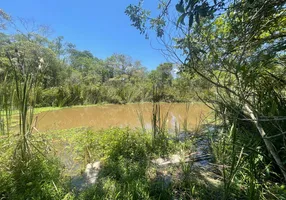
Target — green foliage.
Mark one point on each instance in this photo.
(39, 71)
(4, 18)
(47, 97)
(125, 161)
(115, 142)
(138, 16)
(125, 156)
(72, 77)
(245, 163)
(38, 179)
(238, 49)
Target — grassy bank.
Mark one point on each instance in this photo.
(130, 167)
(125, 156)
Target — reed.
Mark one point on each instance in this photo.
(158, 120)
(185, 122)
(140, 116)
(25, 75)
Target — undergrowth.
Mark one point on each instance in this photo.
(39, 178)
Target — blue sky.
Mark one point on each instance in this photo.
(99, 26)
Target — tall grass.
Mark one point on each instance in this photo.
(140, 116)
(185, 122)
(158, 119)
(244, 166)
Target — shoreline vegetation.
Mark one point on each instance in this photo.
(233, 61)
(118, 163)
(45, 109)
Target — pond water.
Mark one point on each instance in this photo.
(106, 116)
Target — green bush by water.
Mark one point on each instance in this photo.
(40, 178)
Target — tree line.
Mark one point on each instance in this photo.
(69, 76)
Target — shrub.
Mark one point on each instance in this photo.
(125, 158)
(47, 97)
(39, 178)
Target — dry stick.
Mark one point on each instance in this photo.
(266, 141)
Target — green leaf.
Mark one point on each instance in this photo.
(197, 18)
(191, 19)
(29, 184)
(188, 5)
(181, 19)
(180, 7)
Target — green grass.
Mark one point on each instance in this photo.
(127, 170)
(39, 178)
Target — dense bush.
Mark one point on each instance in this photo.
(47, 97)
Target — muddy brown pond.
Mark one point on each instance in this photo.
(106, 116)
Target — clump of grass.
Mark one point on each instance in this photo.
(161, 145)
(39, 178)
(101, 143)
